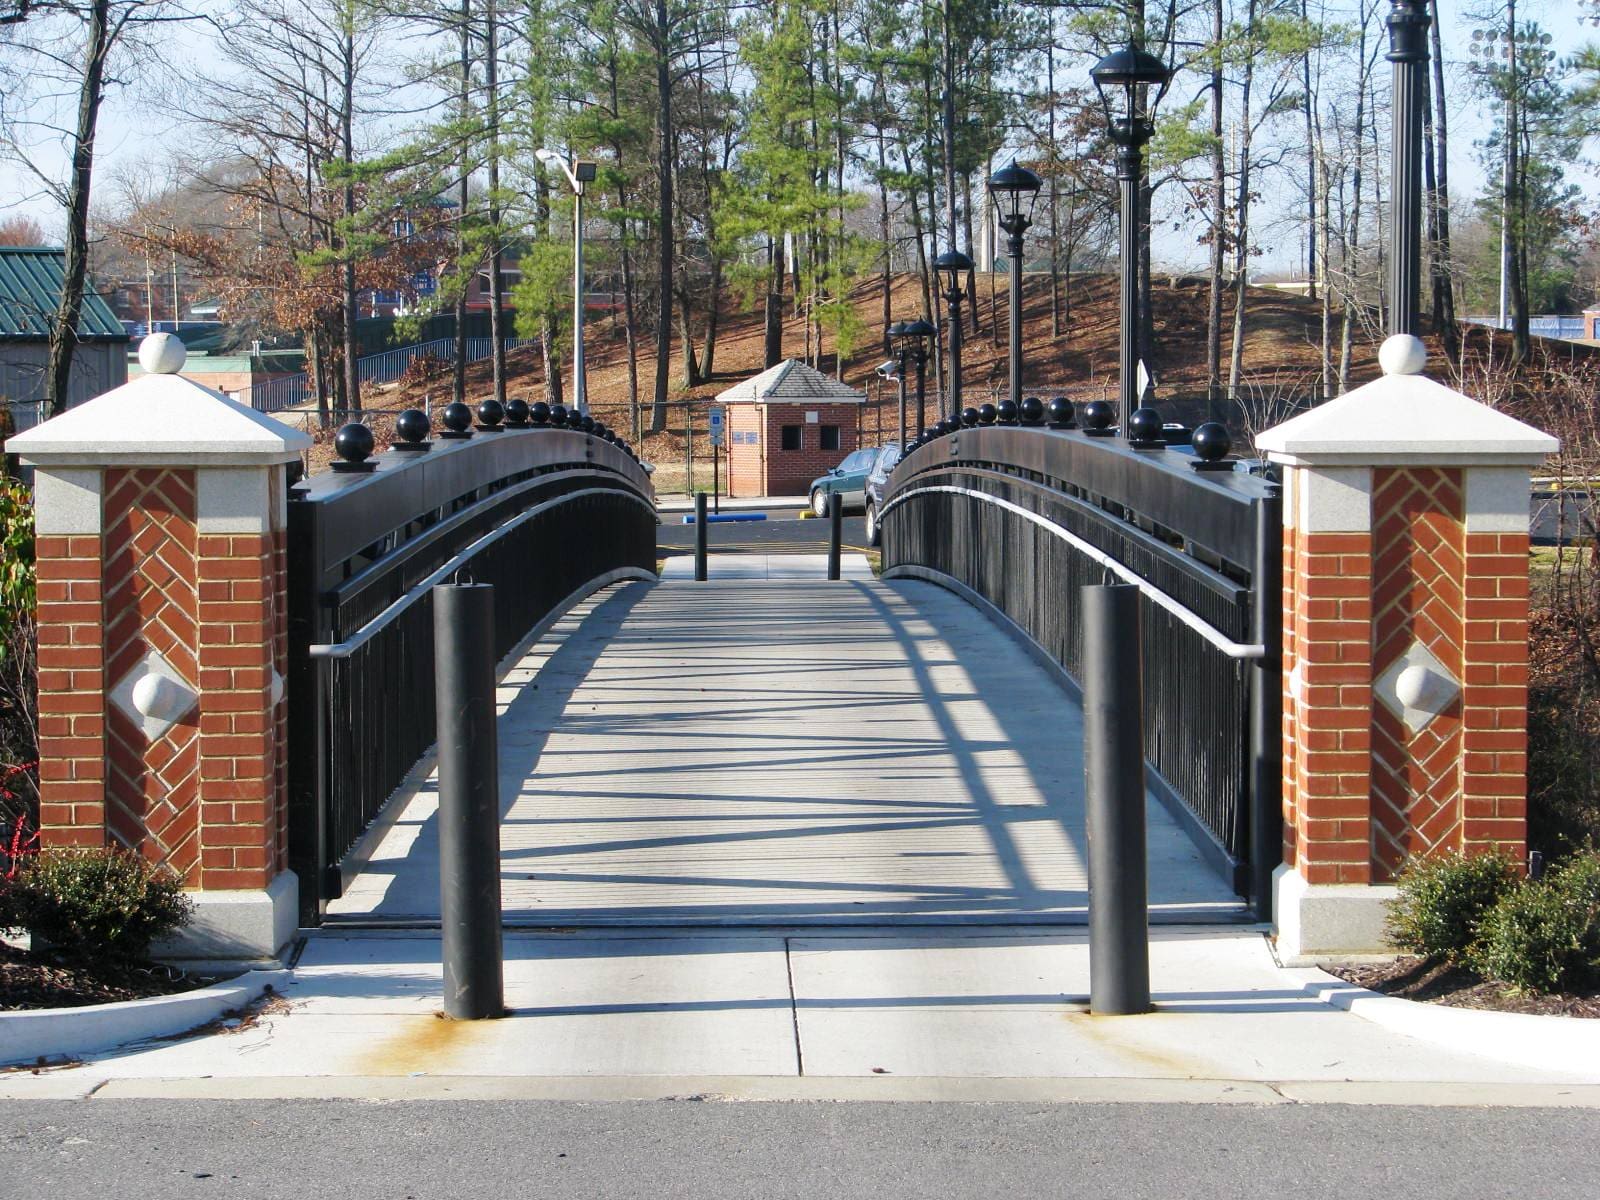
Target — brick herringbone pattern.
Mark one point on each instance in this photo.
(152, 793)
(1418, 576)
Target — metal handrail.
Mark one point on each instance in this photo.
(1233, 649)
(375, 626)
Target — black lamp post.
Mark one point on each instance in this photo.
(954, 266)
(1123, 79)
(1408, 51)
(913, 338)
(1014, 190)
(894, 339)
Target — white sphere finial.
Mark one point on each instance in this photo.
(162, 354)
(1402, 354)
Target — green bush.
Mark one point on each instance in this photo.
(96, 904)
(1443, 898)
(1545, 936)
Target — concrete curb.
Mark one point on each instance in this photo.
(73, 1032)
(1547, 1043)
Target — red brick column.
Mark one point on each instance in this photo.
(163, 643)
(1405, 644)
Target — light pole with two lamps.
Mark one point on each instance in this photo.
(579, 172)
(911, 344)
(1123, 79)
(1011, 187)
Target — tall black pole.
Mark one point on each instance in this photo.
(469, 801)
(1408, 51)
(900, 378)
(1130, 137)
(1015, 225)
(953, 299)
(1113, 770)
(921, 355)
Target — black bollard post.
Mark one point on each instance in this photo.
(700, 537)
(1113, 770)
(469, 801)
(835, 535)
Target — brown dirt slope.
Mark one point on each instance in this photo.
(1281, 353)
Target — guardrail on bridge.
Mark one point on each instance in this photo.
(546, 515)
(1019, 518)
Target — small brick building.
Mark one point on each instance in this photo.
(786, 426)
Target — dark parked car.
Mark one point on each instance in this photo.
(877, 483)
(846, 484)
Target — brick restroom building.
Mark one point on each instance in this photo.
(786, 426)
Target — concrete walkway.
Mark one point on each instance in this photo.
(873, 1014)
(783, 752)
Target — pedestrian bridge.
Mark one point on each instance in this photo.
(780, 751)
(769, 746)
(238, 669)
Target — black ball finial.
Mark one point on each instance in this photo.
(353, 444)
(969, 416)
(539, 413)
(1211, 442)
(412, 427)
(490, 413)
(1060, 413)
(516, 412)
(1008, 412)
(586, 421)
(988, 414)
(558, 415)
(1032, 411)
(1144, 428)
(1097, 418)
(457, 420)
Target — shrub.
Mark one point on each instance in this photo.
(108, 903)
(1442, 899)
(1545, 936)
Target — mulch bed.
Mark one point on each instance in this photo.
(30, 979)
(1454, 985)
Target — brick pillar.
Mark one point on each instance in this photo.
(161, 514)
(1405, 644)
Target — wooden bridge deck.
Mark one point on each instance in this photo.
(776, 752)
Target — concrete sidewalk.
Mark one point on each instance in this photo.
(881, 1014)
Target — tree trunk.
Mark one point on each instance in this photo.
(347, 150)
(658, 415)
(491, 82)
(458, 389)
(1444, 297)
(1241, 249)
(69, 307)
(1219, 224)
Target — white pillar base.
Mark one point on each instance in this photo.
(236, 930)
(1319, 922)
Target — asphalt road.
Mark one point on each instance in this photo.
(458, 1149)
(783, 532)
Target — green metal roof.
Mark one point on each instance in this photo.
(30, 289)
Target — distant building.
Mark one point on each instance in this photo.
(786, 426)
(30, 290)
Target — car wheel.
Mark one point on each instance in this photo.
(872, 524)
(819, 502)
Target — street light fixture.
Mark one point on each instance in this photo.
(912, 341)
(1013, 188)
(578, 172)
(1124, 79)
(954, 266)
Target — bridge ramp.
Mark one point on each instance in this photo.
(783, 752)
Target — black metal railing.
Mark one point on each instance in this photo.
(1020, 518)
(545, 515)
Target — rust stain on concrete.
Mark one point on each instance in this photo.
(423, 1045)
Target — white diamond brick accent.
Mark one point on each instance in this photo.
(1417, 687)
(154, 696)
